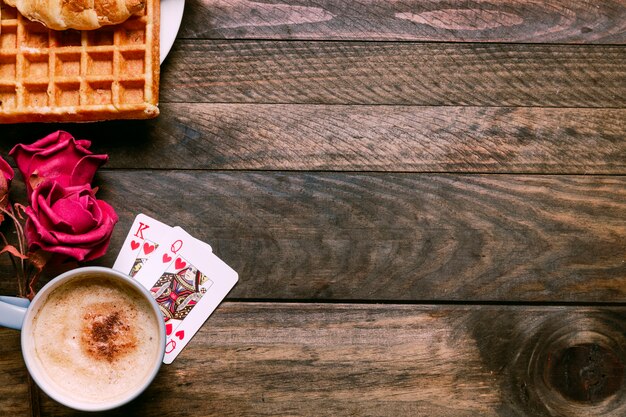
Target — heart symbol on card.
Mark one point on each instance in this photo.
(134, 245)
(180, 264)
(147, 248)
(168, 329)
(180, 334)
(166, 258)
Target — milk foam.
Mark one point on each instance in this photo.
(77, 359)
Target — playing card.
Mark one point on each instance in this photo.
(141, 242)
(188, 282)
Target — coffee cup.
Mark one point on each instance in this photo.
(93, 338)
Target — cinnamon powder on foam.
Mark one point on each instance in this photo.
(106, 334)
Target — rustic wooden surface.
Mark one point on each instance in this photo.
(425, 201)
(273, 359)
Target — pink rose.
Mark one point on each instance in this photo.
(57, 157)
(69, 221)
(6, 175)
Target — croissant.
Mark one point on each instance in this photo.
(77, 14)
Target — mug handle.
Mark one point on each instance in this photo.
(12, 311)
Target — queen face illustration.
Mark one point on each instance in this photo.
(178, 292)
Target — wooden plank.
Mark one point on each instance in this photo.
(8, 282)
(15, 384)
(14, 394)
(391, 360)
(413, 237)
(395, 73)
(358, 138)
(563, 21)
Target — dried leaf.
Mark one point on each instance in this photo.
(39, 259)
(13, 251)
(31, 290)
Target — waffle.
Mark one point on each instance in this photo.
(79, 76)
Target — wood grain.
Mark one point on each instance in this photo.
(14, 391)
(412, 237)
(404, 188)
(358, 138)
(382, 360)
(563, 21)
(395, 73)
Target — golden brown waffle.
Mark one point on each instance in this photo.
(70, 76)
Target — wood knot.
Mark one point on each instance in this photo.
(570, 363)
(586, 372)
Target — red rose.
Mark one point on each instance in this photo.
(58, 157)
(6, 175)
(69, 221)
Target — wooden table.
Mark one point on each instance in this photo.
(425, 201)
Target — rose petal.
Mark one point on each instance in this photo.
(69, 221)
(35, 231)
(86, 168)
(73, 213)
(57, 157)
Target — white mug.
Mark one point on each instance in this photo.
(18, 313)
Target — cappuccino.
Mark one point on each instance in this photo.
(95, 339)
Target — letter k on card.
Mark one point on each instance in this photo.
(144, 237)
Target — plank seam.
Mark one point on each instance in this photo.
(459, 303)
(404, 41)
(450, 173)
(469, 106)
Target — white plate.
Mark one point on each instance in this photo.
(171, 16)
